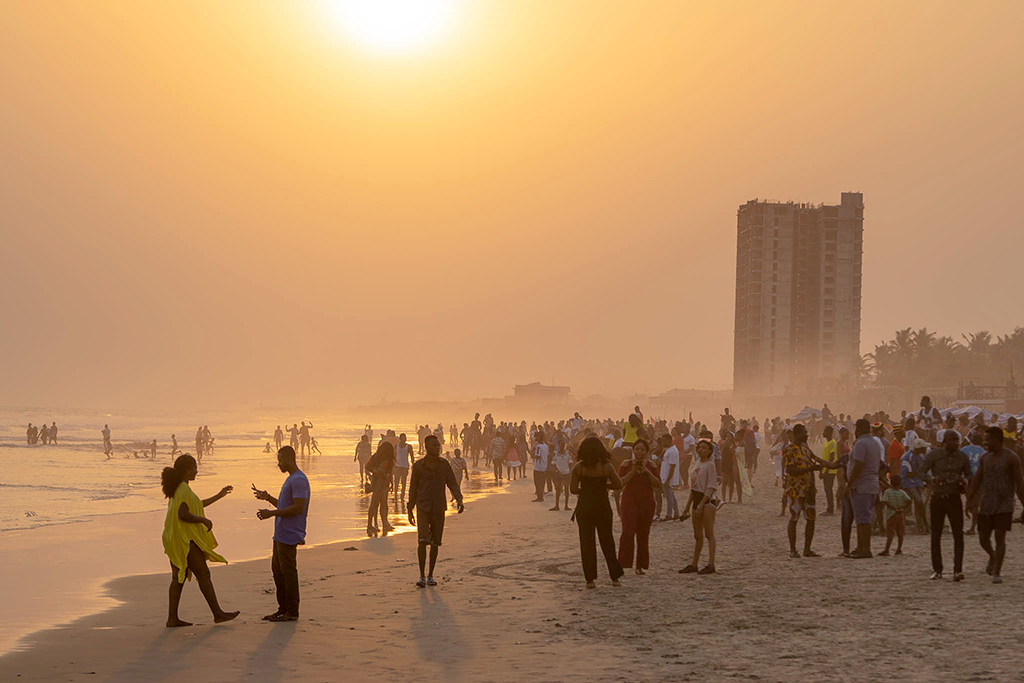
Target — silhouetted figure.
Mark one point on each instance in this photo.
(278, 437)
(304, 438)
(174, 446)
(108, 449)
(362, 456)
(590, 481)
(380, 468)
(427, 496)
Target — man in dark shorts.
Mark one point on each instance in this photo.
(999, 476)
(430, 475)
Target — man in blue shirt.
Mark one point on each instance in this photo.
(973, 451)
(291, 505)
(863, 485)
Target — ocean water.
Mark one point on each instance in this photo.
(73, 519)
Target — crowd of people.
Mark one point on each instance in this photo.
(922, 470)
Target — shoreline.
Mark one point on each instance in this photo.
(511, 605)
(64, 594)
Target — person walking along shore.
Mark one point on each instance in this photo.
(188, 539)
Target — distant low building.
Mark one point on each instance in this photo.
(540, 393)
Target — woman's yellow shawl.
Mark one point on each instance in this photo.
(178, 534)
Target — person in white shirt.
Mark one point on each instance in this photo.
(560, 468)
(703, 500)
(540, 467)
(910, 435)
(670, 476)
(403, 461)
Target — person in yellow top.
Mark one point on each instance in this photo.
(830, 454)
(188, 538)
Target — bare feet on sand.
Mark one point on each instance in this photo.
(226, 616)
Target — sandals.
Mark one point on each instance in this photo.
(689, 569)
(422, 583)
(430, 581)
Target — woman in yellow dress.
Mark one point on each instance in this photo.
(188, 538)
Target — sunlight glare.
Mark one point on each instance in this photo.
(395, 25)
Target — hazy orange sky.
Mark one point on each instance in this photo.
(209, 203)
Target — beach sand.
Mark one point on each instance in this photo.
(511, 605)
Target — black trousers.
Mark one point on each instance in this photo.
(599, 520)
(286, 578)
(950, 507)
(829, 481)
(539, 480)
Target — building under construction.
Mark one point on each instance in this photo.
(798, 297)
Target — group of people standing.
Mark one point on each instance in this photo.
(299, 438)
(922, 465)
(41, 435)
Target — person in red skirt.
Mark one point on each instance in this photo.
(640, 480)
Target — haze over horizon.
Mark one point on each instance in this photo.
(227, 203)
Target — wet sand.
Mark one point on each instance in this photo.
(511, 605)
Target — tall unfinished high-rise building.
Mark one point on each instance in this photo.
(798, 293)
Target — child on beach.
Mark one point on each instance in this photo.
(459, 467)
(896, 502)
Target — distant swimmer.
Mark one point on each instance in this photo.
(30, 434)
(428, 501)
(278, 437)
(188, 539)
(174, 446)
(44, 433)
(53, 433)
(294, 438)
(268, 448)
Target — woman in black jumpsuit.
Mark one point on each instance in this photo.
(592, 476)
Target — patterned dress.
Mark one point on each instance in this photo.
(799, 493)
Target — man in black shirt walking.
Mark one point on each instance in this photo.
(430, 475)
(950, 469)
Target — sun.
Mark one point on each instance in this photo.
(395, 25)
